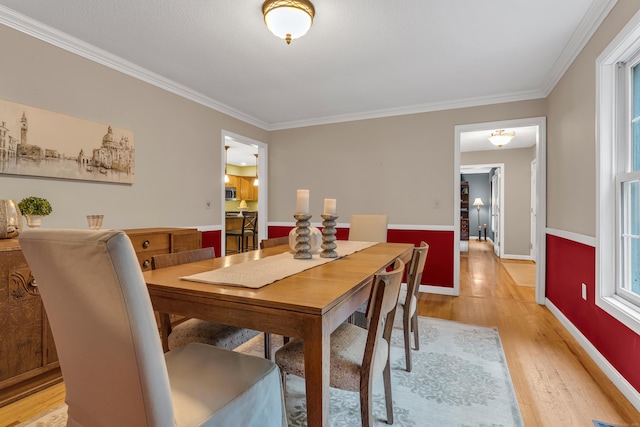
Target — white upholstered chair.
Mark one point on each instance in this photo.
(114, 370)
(408, 300)
(358, 356)
(198, 330)
(368, 228)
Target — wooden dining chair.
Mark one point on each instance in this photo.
(198, 330)
(115, 372)
(248, 229)
(358, 356)
(408, 300)
(274, 241)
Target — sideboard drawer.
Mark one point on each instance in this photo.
(151, 242)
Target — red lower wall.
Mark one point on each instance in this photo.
(569, 264)
(213, 239)
(438, 270)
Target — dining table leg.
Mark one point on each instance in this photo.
(317, 370)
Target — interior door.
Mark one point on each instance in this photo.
(495, 211)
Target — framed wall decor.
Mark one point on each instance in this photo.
(42, 143)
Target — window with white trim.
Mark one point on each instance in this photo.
(628, 187)
(618, 192)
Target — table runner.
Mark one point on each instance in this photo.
(261, 272)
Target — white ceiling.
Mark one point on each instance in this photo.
(359, 60)
(239, 153)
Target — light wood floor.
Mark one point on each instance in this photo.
(556, 382)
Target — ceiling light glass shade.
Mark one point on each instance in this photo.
(288, 19)
(500, 138)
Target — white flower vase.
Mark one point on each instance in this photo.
(315, 240)
(34, 221)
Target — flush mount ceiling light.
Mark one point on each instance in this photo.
(500, 138)
(288, 19)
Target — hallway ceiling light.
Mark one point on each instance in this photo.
(500, 138)
(288, 19)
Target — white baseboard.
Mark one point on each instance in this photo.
(438, 290)
(518, 257)
(618, 380)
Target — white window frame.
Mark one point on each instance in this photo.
(611, 134)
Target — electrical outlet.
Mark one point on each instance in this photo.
(584, 291)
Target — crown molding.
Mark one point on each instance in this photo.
(40, 31)
(415, 109)
(597, 12)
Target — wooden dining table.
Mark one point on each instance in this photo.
(307, 305)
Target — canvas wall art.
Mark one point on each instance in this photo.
(42, 143)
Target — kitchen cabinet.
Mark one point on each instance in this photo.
(245, 190)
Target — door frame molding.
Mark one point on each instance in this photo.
(541, 195)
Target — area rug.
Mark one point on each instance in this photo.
(459, 378)
(523, 274)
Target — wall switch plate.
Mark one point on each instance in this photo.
(584, 291)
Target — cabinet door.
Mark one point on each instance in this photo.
(185, 240)
(233, 182)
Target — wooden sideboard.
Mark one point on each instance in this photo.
(28, 359)
(148, 242)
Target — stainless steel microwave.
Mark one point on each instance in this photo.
(229, 193)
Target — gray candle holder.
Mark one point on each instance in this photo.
(303, 246)
(329, 236)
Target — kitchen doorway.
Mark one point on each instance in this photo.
(244, 153)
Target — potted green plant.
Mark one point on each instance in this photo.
(34, 208)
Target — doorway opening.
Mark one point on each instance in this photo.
(486, 223)
(535, 130)
(244, 153)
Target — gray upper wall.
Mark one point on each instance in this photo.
(178, 147)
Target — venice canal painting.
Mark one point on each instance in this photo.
(37, 142)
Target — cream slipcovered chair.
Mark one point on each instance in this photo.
(198, 330)
(358, 356)
(114, 370)
(408, 300)
(368, 228)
